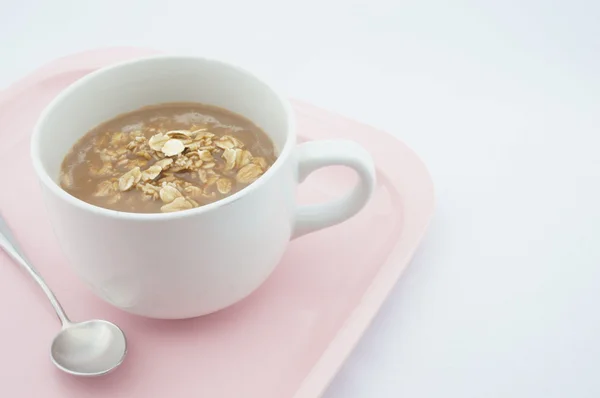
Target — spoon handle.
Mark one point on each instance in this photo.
(10, 246)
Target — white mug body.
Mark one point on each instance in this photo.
(194, 262)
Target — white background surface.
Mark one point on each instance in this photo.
(502, 101)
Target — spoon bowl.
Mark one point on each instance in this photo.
(90, 348)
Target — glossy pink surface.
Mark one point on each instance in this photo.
(286, 340)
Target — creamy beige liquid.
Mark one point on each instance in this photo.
(212, 153)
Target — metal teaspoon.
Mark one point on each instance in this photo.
(90, 348)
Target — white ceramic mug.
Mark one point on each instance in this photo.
(194, 262)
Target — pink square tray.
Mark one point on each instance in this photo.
(286, 340)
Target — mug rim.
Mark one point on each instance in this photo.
(54, 187)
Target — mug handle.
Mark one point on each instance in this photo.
(317, 154)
